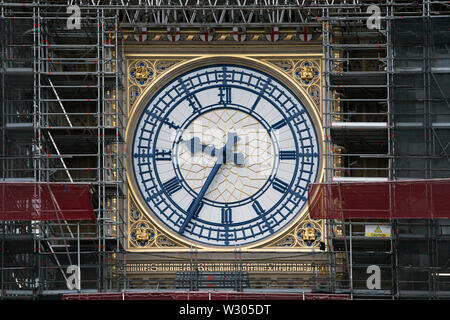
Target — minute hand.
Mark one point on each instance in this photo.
(221, 159)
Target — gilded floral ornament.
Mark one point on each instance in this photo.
(288, 241)
(306, 72)
(142, 72)
(143, 234)
(309, 233)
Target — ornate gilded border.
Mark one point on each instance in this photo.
(142, 72)
(146, 72)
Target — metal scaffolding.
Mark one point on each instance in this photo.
(386, 120)
(63, 118)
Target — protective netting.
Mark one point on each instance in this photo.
(45, 201)
(412, 199)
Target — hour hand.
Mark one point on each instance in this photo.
(238, 159)
(195, 146)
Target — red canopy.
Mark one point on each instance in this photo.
(410, 199)
(45, 201)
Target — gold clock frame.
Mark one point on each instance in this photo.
(147, 74)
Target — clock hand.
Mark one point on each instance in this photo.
(223, 155)
(194, 146)
(192, 210)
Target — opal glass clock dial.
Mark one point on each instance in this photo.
(223, 154)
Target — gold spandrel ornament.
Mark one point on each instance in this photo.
(306, 235)
(305, 72)
(309, 234)
(142, 72)
(133, 94)
(287, 65)
(314, 93)
(143, 234)
(287, 241)
(161, 66)
(163, 241)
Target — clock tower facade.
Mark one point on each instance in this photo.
(220, 151)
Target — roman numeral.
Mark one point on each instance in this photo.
(288, 155)
(260, 94)
(260, 212)
(172, 186)
(280, 185)
(163, 155)
(192, 99)
(159, 155)
(226, 216)
(279, 124)
(225, 95)
(166, 121)
(257, 206)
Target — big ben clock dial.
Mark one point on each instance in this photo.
(222, 155)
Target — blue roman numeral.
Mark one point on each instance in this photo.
(288, 155)
(261, 213)
(172, 186)
(159, 155)
(225, 95)
(192, 99)
(226, 216)
(260, 94)
(257, 206)
(163, 155)
(280, 124)
(280, 185)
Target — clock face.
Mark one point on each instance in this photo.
(223, 155)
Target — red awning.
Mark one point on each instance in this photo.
(411, 199)
(45, 201)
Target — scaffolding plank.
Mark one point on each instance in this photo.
(359, 125)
